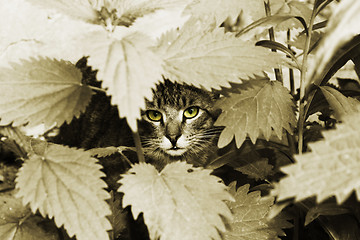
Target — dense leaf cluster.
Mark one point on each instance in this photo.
(269, 61)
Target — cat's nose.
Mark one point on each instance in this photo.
(173, 139)
(173, 132)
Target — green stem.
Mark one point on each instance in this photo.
(302, 82)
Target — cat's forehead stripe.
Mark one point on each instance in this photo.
(179, 95)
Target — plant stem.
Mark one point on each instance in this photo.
(291, 138)
(296, 225)
(96, 88)
(302, 82)
(291, 71)
(277, 71)
(126, 158)
(139, 150)
(22, 220)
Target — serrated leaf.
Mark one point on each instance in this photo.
(103, 152)
(129, 11)
(299, 41)
(78, 9)
(247, 162)
(180, 202)
(19, 137)
(118, 218)
(261, 24)
(325, 209)
(266, 108)
(16, 222)
(339, 103)
(220, 10)
(258, 169)
(332, 168)
(293, 7)
(108, 151)
(212, 59)
(341, 28)
(129, 68)
(36, 32)
(41, 91)
(65, 184)
(250, 216)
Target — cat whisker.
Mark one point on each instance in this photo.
(214, 130)
(203, 138)
(198, 145)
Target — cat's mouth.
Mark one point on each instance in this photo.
(175, 151)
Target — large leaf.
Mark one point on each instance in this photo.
(38, 31)
(266, 108)
(332, 168)
(250, 216)
(116, 12)
(17, 222)
(41, 91)
(65, 184)
(342, 27)
(131, 11)
(180, 202)
(211, 58)
(78, 9)
(29, 31)
(129, 69)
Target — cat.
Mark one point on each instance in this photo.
(178, 125)
(184, 131)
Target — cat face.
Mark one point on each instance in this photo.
(178, 123)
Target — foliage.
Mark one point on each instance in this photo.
(213, 58)
(267, 118)
(17, 223)
(253, 209)
(64, 184)
(310, 177)
(265, 109)
(35, 92)
(185, 193)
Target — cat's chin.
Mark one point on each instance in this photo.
(175, 152)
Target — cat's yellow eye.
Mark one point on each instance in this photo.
(191, 112)
(153, 115)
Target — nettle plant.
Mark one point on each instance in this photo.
(247, 51)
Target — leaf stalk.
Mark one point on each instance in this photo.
(139, 151)
(302, 82)
(278, 74)
(97, 89)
